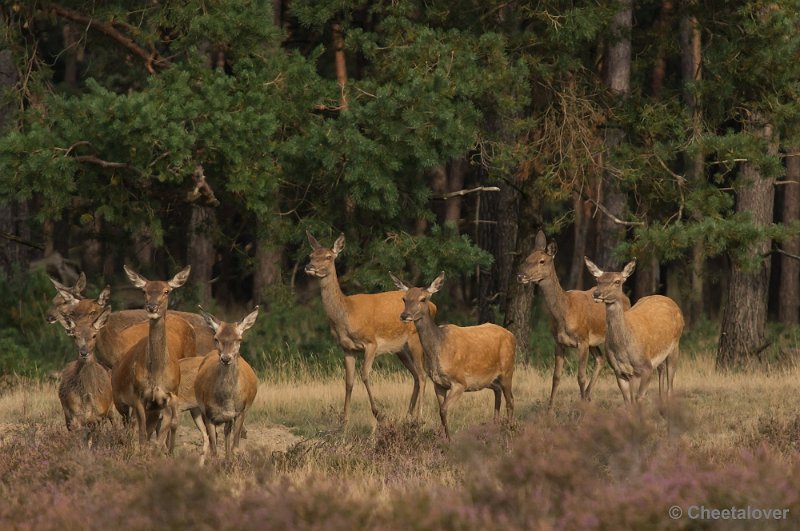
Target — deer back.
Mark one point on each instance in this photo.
(587, 318)
(127, 331)
(476, 355)
(375, 317)
(186, 396)
(655, 323)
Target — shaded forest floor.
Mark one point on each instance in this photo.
(726, 440)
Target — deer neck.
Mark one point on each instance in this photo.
(555, 298)
(157, 352)
(431, 337)
(616, 328)
(333, 300)
(227, 379)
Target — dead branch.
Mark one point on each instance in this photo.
(16, 239)
(100, 162)
(781, 251)
(614, 218)
(151, 59)
(201, 188)
(460, 193)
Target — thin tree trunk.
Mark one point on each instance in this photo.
(341, 65)
(455, 182)
(618, 80)
(744, 318)
(507, 228)
(691, 71)
(143, 247)
(267, 274)
(70, 56)
(580, 236)
(277, 12)
(789, 293)
(92, 248)
(200, 251)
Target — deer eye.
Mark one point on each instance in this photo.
(541, 261)
(166, 292)
(422, 299)
(616, 282)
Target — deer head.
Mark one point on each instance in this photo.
(322, 259)
(156, 292)
(609, 285)
(228, 336)
(65, 298)
(416, 299)
(539, 265)
(85, 332)
(69, 302)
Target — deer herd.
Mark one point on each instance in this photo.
(154, 363)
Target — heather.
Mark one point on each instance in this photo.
(725, 441)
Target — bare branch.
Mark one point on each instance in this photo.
(614, 218)
(781, 251)
(16, 239)
(460, 193)
(151, 59)
(100, 162)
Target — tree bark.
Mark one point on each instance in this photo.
(618, 80)
(744, 318)
(200, 252)
(455, 182)
(789, 293)
(267, 274)
(341, 65)
(691, 71)
(507, 228)
(580, 237)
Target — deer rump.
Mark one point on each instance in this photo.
(474, 356)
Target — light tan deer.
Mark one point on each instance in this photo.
(147, 377)
(640, 339)
(116, 337)
(85, 388)
(460, 358)
(226, 385)
(368, 323)
(575, 320)
(60, 305)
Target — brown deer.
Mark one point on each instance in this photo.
(147, 377)
(85, 388)
(640, 339)
(117, 337)
(368, 323)
(460, 358)
(60, 305)
(575, 320)
(226, 385)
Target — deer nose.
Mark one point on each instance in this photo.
(309, 268)
(84, 352)
(152, 308)
(226, 360)
(404, 316)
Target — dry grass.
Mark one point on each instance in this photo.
(299, 463)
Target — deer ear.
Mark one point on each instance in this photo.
(181, 278)
(80, 285)
(67, 295)
(436, 284)
(136, 279)
(104, 296)
(552, 249)
(629, 269)
(338, 245)
(247, 322)
(593, 269)
(102, 319)
(540, 242)
(66, 322)
(313, 241)
(211, 321)
(398, 282)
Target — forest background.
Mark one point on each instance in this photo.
(436, 135)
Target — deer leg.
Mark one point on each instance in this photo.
(408, 363)
(505, 385)
(238, 424)
(559, 353)
(583, 361)
(441, 394)
(366, 367)
(228, 438)
(349, 378)
(173, 424)
(455, 392)
(164, 427)
(495, 387)
(672, 366)
(212, 435)
(598, 366)
(141, 419)
(197, 417)
(625, 389)
(644, 381)
(660, 370)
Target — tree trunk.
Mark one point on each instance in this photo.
(789, 293)
(691, 71)
(70, 56)
(267, 274)
(92, 248)
(507, 227)
(277, 12)
(200, 252)
(744, 318)
(341, 65)
(618, 80)
(455, 182)
(580, 237)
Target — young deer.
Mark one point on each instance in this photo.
(640, 339)
(226, 385)
(85, 389)
(575, 321)
(147, 376)
(368, 323)
(119, 334)
(460, 358)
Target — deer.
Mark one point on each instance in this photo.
(115, 338)
(147, 377)
(366, 323)
(638, 340)
(225, 386)
(575, 320)
(85, 388)
(460, 358)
